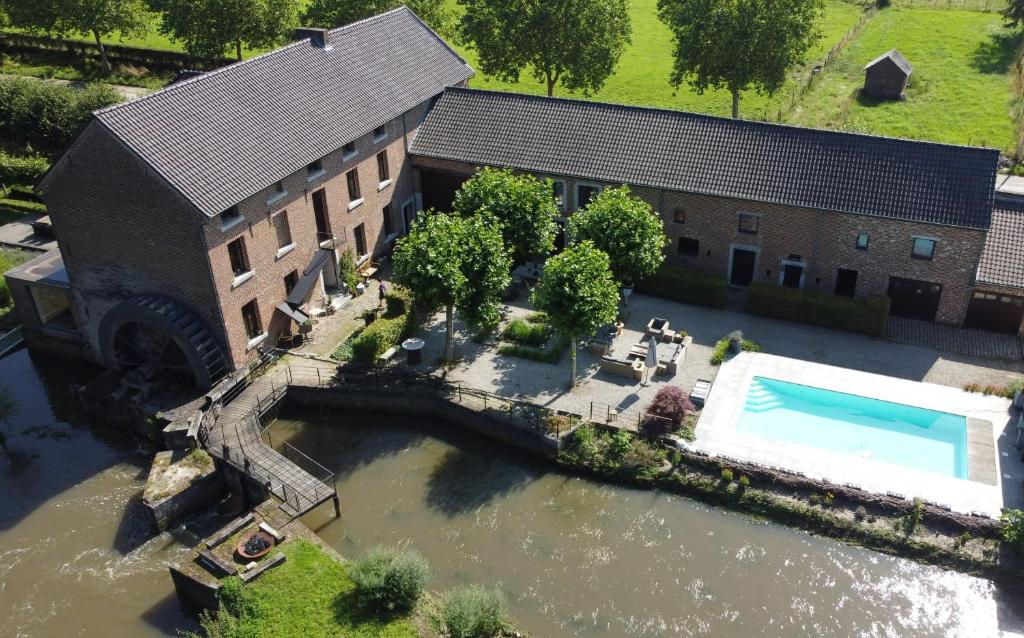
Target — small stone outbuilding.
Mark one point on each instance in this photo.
(886, 76)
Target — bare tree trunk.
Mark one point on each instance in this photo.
(551, 85)
(572, 357)
(736, 103)
(449, 329)
(238, 49)
(103, 50)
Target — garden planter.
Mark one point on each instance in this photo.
(255, 545)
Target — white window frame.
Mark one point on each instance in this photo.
(346, 156)
(793, 262)
(565, 188)
(383, 136)
(935, 246)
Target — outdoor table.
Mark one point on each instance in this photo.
(413, 351)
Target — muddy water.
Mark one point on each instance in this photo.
(76, 557)
(577, 558)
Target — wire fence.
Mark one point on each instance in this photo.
(989, 6)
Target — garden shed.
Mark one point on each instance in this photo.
(886, 76)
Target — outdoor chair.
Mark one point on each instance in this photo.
(699, 393)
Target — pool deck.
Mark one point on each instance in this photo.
(989, 441)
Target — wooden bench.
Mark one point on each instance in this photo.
(388, 355)
(268, 564)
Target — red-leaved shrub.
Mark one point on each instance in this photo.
(670, 404)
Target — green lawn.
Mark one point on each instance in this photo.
(309, 595)
(960, 87)
(643, 72)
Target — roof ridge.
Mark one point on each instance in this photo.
(720, 118)
(284, 47)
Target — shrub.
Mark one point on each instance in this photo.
(686, 433)
(526, 334)
(386, 331)
(744, 482)
(551, 354)
(860, 513)
(912, 520)
(619, 444)
(26, 169)
(389, 581)
(347, 271)
(686, 285)
(828, 499)
(814, 499)
(869, 315)
(669, 407)
(472, 612)
(537, 317)
(726, 475)
(1012, 530)
(721, 351)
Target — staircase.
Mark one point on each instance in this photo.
(761, 399)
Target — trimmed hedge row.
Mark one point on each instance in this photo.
(686, 285)
(21, 170)
(116, 53)
(869, 316)
(388, 330)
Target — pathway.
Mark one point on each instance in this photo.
(978, 343)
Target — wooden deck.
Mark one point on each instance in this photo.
(236, 438)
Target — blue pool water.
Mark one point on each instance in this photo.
(850, 424)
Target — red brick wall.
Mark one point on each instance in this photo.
(825, 241)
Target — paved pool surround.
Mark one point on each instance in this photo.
(718, 434)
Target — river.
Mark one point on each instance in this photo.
(574, 557)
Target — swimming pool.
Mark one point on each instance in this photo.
(883, 431)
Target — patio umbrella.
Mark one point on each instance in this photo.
(652, 357)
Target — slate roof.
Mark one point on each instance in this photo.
(226, 135)
(896, 57)
(899, 179)
(1002, 258)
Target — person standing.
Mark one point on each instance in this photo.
(383, 292)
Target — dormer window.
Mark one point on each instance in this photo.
(349, 150)
(230, 218)
(278, 193)
(315, 170)
(380, 132)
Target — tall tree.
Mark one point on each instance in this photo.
(328, 14)
(1014, 12)
(485, 264)
(578, 293)
(738, 44)
(210, 28)
(523, 205)
(626, 228)
(427, 262)
(575, 43)
(98, 18)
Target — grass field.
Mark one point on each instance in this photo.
(959, 91)
(642, 77)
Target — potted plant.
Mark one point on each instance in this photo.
(735, 342)
(1017, 388)
(306, 327)
(369, 316)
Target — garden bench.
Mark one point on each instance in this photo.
(699, 393)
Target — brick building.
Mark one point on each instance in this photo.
(197, 224)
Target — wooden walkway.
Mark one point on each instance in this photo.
(236, 438)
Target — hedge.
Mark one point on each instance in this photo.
(21, 170)
(686, 285)
(116, 53)
(869, 315)
(388, 330)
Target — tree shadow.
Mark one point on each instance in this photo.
(465, 480)
(996, 54)
(865, 99)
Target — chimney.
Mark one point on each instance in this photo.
(320, 38)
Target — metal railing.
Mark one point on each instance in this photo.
(627, 419)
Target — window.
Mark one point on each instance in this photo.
(239, 260)
(688, 247)
(278, 194)
(748, 223)
(923, 248)
(359, 232)
(290, 280)
(380, 132)
(352, 177)
(862, 241)
(230, 217)
(284, 233)
(382, 167)
(348, 150)
(584, 193)
(251, 319)
(389, 228)
(679, 216)
(558, 193)
(315, 170)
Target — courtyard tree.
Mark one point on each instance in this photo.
(1014, 12)
(98, 18)
(578, 293)
(328, 14)
(427, 262)
(523, 205)
(210, 28)
(8, 408)
(575, 43)
(486, 266)
(627, 229)
(738, 45)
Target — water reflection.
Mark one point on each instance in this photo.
(577, 558)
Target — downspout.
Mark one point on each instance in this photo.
(817, 244)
